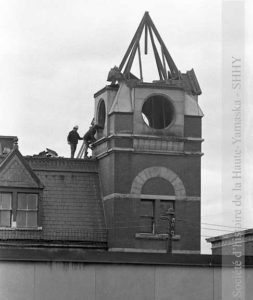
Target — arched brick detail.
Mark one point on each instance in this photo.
(162, 172)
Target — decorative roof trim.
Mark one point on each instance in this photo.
(11, 155)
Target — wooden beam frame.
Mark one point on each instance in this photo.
(148, 26)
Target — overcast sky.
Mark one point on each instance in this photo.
(55, 54)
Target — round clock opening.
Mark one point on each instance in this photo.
(158, 112)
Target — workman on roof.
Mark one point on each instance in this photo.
(73, 138)
(89, 137)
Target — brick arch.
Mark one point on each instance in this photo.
(162, 172)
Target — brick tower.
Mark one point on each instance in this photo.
(149, 151)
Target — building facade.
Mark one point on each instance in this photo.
(240, 243)
(146, 162)
(81, 228)
(149, 153)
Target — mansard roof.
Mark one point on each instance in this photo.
(71, 204)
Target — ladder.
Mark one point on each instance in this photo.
(83, 149)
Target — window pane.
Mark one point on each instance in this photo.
(5, 218)
(27, 201)
(21, 219)
(22, 201)
(163, 225)
(147, 208)
(26, 219)
(6, 201)
(146, 225)
(165, 205)
(32, 200)
(32, 219)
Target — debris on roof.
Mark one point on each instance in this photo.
(46, 153)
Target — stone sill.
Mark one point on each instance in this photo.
(20, 229)
(151, 236)
(158, 236)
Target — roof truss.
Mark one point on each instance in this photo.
(165, 65)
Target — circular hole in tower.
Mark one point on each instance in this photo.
(101, 114)
(158, 112)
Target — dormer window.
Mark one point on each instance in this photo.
(19, 209)
(20, 194)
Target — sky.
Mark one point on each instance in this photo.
(55, 54)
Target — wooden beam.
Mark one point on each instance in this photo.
(159, 65)
(164, 64)
(136, 35)
(172, 66)
(140, 64)
(132, 55)
(146, 39)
